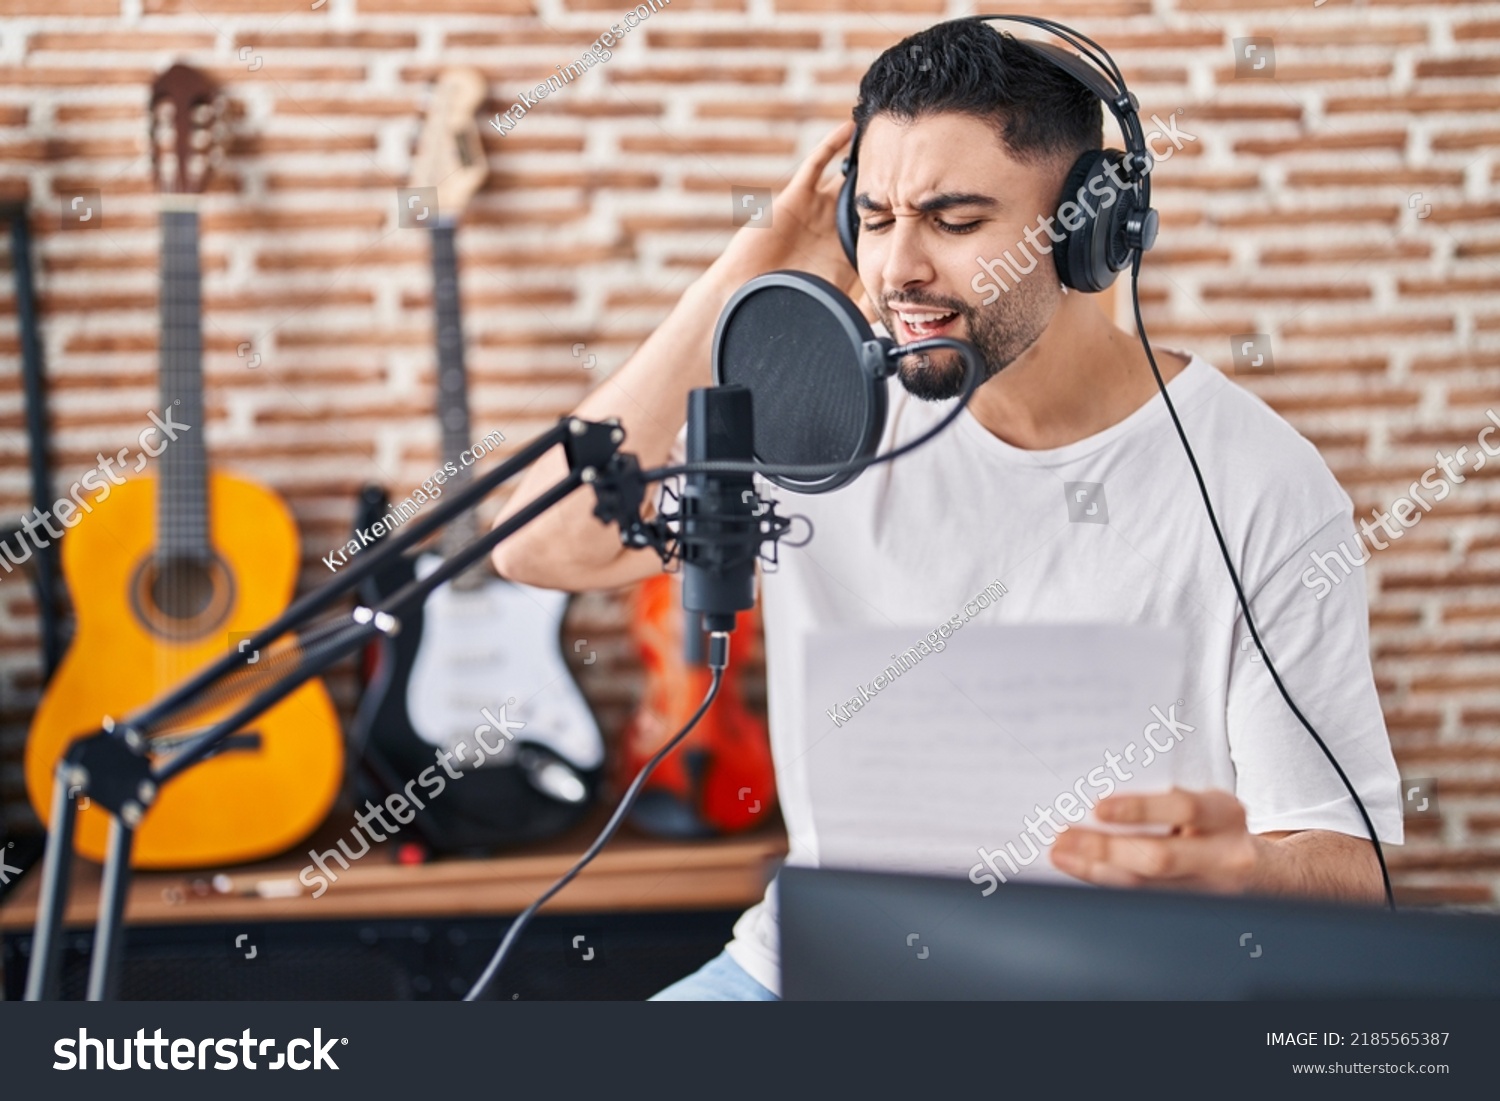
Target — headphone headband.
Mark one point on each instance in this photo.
(1102, 77)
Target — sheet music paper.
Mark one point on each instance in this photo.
(951, 754)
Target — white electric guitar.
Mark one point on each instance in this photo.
(481, 665)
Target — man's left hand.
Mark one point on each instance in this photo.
(1209, 847)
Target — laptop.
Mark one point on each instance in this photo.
(866, 935)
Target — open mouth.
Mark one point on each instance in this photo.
(922, 324)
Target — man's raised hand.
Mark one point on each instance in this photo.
(802, 235)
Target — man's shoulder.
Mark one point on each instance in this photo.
(1245, 426)
(1257, 463)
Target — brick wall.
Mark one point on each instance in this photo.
(1345, 206)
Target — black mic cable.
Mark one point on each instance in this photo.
(718, 658)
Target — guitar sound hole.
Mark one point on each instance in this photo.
(182, 589)
(182, 598)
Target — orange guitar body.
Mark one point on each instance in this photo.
(721, 779)
(279, 776)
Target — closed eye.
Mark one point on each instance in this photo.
(946, 227)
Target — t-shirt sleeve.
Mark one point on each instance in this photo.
(1317, 635)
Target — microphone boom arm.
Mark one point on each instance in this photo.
(111, 764)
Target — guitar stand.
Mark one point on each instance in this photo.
(111, 766)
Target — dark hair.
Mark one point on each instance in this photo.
(1040, 112)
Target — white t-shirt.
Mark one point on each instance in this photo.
(910, 543)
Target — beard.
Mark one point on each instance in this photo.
(1000, 332)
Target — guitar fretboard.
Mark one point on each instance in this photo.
(453, 382)
(182, 505)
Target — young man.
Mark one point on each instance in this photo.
(965, 141)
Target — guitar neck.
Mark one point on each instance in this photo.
(453, 382)
(182, 504)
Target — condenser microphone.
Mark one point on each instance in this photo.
(720, 525)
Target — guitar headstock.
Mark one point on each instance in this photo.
(450, 156)
(185, 121)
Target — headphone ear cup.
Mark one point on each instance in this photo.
(847, 218)
(1073, 255)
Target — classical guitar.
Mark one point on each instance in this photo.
(171, 567)
(721, 779)
(479, 643)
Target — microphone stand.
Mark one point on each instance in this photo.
(111, 765)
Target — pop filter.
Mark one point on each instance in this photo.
(815, 370)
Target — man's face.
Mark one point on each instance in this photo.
(935, 196)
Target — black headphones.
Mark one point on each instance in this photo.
(1112, 222)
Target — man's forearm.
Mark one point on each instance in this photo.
(648, 394)
(1317, 863)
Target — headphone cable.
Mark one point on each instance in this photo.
(1239, 589)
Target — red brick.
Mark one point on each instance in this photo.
(1412, 103)
(62, 7)
(97, 112)
(703, 145)
(884, 7)
(61, 76)
(1321, 143)
(1295, 292)
(326, 40)
(757, 108)
(1342, 35)
(45, 41)
(1448, 288)
(757, 39)
(614, 8)
(447, 7)
(700, 74)
(1353, 253)
(1465, 32)
(1348, 212)
(522, 35)
(1459, 67)
(316, 107)
(1310, 73)
(1375, 177)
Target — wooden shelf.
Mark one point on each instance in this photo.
(633, 873)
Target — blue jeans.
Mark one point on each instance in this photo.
(718, 980)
